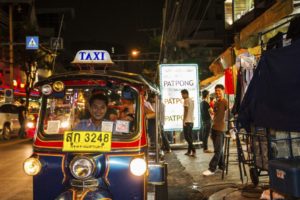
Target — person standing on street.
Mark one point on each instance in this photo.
(188, 122)
(206, 111)
(218, 131)
(165, 146)
(22, 116)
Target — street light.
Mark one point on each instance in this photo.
(135, 53)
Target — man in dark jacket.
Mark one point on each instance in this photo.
(205, 119)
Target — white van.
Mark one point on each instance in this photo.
(9, 121)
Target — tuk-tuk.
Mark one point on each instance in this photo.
(91, 140)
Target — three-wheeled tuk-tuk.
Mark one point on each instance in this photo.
(91, 140)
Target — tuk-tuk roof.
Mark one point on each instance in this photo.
(108, 74)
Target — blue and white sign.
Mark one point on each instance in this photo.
(174, 78)
(32, 42)
(92, 57)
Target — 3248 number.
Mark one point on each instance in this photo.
(92, 137)
(87, 137)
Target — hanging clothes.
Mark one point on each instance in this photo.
(246, 64)
(272, 98)
(229, 84)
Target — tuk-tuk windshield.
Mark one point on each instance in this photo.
(91, 109)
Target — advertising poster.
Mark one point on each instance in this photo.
(173, 79)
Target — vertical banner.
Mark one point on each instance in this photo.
(173, 79)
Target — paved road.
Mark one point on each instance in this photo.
(14, 183)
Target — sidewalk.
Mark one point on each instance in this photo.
(187, 172)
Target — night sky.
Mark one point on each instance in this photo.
(109, 21)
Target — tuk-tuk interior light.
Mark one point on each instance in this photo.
(46, 89)
(32, 166)
(65, 124)
(82, 167)
(138, 166)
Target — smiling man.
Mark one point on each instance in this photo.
(218, 131)
(97, 109)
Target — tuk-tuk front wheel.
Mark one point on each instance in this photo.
(6, 132)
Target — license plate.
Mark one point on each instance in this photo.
(87, 141)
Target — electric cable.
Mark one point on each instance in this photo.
(200, 23)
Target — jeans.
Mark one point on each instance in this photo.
(187, 131)
(165, 142)
(169, 135)
(205, 130)
(218, 142)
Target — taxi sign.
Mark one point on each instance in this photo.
(87, 141)
(92, 57)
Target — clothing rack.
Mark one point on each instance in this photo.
(260, 34)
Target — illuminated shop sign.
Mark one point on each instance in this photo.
(173, 79)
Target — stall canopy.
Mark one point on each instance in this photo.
(210, 83)
(272, 98)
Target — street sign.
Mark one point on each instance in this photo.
(32, 42)
(56, 43)
(8, 95)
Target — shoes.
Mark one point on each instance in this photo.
(168, 151)
(208, 151)
(208, 173)
(193, 154)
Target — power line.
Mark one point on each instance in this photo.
(198, 27)
(56, 46)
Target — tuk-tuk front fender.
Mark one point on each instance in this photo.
(85, 194)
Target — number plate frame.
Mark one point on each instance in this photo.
(87, 141)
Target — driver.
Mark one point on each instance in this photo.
(97, 109)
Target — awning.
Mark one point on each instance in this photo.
(223, 61)
(210, 83)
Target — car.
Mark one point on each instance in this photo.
(9, 121)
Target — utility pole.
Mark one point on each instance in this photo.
(11, 47)
(163, 47)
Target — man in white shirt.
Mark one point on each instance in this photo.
(188, 122)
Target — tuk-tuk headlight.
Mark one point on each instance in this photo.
(138, 166)
(32, 166)
(82, 167)
(58, 86)
(46, 89)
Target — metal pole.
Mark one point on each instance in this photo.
(11, 47)
(157, 124)
(162, 41)
(59, 32)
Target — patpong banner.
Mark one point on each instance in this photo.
(173, 79)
